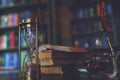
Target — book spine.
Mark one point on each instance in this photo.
(91, 12)
(1, 42)
(12, 20)
(12, 39)
(7, 59)
(108, 9)
(16, 19)
(9, 20)
(81, 14)
(15, 59)
(86, 13)
(51, 70)
(5, 38)
(4, 20)
(3, 3)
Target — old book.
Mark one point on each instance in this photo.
(61, 48)
(51, 70)
(59, 62)
(54, 54)
(53, 57)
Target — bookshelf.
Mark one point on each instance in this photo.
(79, 21)
(11, 13)
(86, 24)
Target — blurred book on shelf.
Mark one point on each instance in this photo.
(9, 60)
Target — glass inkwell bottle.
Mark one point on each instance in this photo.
(31, 64)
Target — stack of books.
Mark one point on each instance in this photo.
(61, 62)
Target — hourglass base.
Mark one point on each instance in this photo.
(32, 74)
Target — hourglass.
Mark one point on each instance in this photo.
(30, 68)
